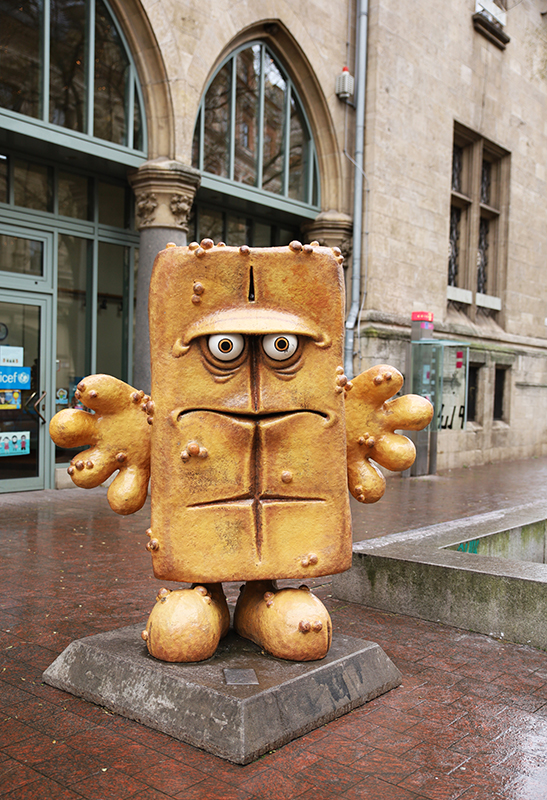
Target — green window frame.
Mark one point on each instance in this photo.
(131, 150)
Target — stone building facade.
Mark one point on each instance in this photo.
(456, 155)
(223, 120)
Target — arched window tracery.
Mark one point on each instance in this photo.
(252, 132)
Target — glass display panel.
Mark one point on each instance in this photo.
(246, 123)
(21, 55)
(297, 154)
(19, 389)
(286, 236)
(274, 127)
(112, 266)
(111, 75)
(67, 64)
(74, 196)
(262, 235)
(32, 185)
(236, 231)
(211, 226)
(217, 120)
(112, 208)
(73, 324)
(23, 256)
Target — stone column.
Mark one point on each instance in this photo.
(164, 193)
(332, 229)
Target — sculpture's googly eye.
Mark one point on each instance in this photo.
(226, 346)
(280, 346)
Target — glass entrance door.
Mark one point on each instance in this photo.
(24, 401)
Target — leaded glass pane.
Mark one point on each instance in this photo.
(275, 88)
(217, 122)
(246, 127)
(486, 182)
(32, 185)
(457, 168)
(482, 255)
(111, 75)
(297, 154)
(453, 246)
(67, 64)
(21, 56)
(74, 195)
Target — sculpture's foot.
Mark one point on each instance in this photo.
(288, 623)
(187, 624)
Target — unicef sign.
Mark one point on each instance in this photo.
(14, 377)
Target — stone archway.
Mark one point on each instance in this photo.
(152, 75)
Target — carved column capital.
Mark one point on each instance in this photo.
(332, 229)
(164, 193)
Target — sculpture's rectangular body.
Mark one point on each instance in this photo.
(261, 497)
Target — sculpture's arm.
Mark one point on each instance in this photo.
(119, 437)
(371, 422)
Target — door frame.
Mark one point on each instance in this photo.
(44, 478)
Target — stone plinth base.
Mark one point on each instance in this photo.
(239, 704)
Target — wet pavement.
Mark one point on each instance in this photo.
(416, 502)
(468, 723)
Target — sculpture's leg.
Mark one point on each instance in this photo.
(288, 623)
(187, 624)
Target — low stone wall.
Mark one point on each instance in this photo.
(422, 573)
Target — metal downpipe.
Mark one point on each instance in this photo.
(361, 71)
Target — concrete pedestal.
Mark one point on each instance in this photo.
(239, 704)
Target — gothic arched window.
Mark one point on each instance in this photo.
(252, 136)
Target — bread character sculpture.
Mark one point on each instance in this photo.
(250, 439)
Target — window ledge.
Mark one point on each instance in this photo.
(490, 30)
(459, 295)
(488, 301)
(472, 426)
(500, 425)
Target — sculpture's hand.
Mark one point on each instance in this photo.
(119, 435)
(371, 421)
